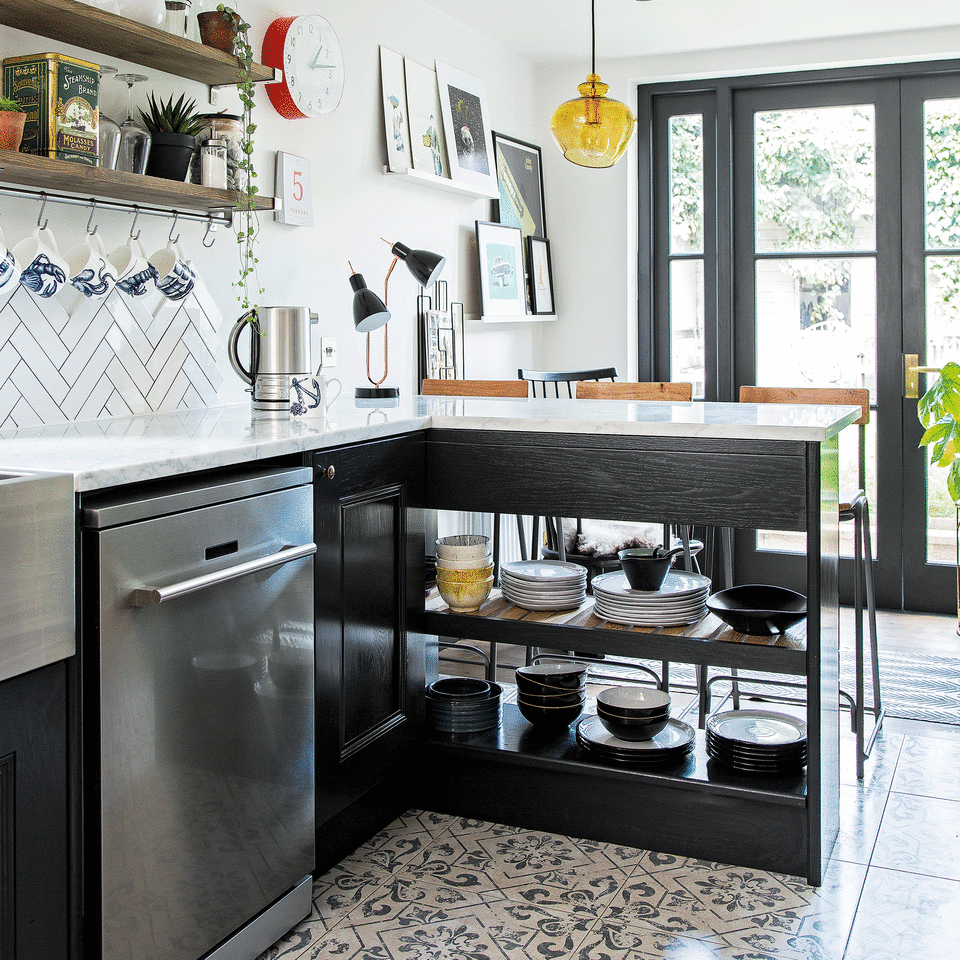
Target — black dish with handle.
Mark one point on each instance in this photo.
(646, 568)
(758, 608)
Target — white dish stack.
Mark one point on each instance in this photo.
(544, 584)
(682, 599)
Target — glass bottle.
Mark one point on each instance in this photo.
(213, 163)
(178, 19)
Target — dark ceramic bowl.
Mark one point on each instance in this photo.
(549, 716)
(646, 568)
(757, 608)
(645, 729)
(634, 703)
(563, 676)
(571, 699)
(460, 688)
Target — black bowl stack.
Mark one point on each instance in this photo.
(633, 713)
(757, 741)
(552, 694)
(463, 705)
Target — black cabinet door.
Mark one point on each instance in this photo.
(34, 883)
(370, 660)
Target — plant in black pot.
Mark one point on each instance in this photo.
(173, 130)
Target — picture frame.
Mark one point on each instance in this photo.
(428, 146)
(541, 276)
(463, 104)
(519, 168)
(396, 122)
(500, 257)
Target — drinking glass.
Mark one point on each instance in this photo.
(108, 145)
(134, 138)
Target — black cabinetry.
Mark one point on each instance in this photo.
(33, 816)
(370, 659)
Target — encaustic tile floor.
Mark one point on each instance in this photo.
(436, 887)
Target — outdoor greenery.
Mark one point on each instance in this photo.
(939, 412)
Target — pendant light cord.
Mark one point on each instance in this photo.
(593, 36)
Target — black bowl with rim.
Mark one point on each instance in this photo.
(758, 608)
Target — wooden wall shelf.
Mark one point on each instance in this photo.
(75, 23)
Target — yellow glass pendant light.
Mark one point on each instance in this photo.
(593, 131)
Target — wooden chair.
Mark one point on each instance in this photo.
(595, 390)
(566, 378)
(482, 388)
(855, 507)
(474, 388)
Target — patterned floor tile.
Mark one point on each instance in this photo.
(920, 835)
(901, 916)
(552, 871)
(878, 768)
(860, 813)
(392, 847)
(414, 920)
(929, 768)
(751, 910)
(610, 940)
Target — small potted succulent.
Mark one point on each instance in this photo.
(173, 132)
(12, 119)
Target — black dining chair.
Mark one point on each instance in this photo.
(550, 382)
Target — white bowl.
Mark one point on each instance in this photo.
(486, 561)
(463, 546)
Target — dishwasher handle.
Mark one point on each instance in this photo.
(148, 596)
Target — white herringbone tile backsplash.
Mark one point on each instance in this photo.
(80, 359)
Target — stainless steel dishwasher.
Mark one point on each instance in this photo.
(197, 646)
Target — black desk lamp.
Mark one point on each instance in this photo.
(370, 312)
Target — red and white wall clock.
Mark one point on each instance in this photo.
(307, 49)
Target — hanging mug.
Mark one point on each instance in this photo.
(9, 271)
(175, 274)
(44, 270)
(88, 268)
(134, 272)
(310, 396)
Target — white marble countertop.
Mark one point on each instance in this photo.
(105, 453)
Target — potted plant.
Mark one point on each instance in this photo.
(248, 284)
(173, 131)
(12, 119)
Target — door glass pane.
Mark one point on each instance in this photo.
(814, 171)
(686, 184)
(686, 323)
(941, 146)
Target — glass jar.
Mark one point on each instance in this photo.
(213, 163)
(178, 20)
(222, 126)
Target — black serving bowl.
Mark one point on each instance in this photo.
(459, 688)
(633, 703)
(570, 699)
(549, 716)
(758, 608)
(633, 729)
(561, 676)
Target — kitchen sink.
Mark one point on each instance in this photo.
(37, 555)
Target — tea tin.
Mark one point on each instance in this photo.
(60, 96)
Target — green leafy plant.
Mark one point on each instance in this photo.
(180, 117)
(939, 412)
(249, 289)
(7, 105)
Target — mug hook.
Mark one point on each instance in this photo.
(93, 210)
(40, 215)
(136, 213)
(172, 226)
(211, 227)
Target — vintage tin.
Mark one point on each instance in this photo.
(60, 96)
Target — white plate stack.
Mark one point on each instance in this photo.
(682, 599)
(544, 584)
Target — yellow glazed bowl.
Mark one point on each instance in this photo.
(471, 575)
(464, 597)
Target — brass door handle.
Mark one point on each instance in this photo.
(911, 375)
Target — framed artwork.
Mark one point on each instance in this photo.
(520, 181)
(502, 287)
(463, 101)
(395, 121)
(293, 186)
(541, 275)
(443, 335)
(428, 148)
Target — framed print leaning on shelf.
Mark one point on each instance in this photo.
(520, 179)
(463, 102)
(541, 275)
(427, 144)
(395, 123)
(500, 254)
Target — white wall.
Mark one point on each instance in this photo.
(591, 214)
(355, 204)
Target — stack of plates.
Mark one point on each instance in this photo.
(757, 741)
(682, 599)
(463, 705)
(670, 745)
(544, 584)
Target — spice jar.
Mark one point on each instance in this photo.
(213, 163)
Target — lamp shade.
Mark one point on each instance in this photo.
(593, 131)
(425, 266)
(369, 312)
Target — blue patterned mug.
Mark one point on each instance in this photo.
(88, 268)
(9, 271)
(44, 270)
(176, 276)
(134, 273)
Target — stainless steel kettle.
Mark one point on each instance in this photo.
(279, 350)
